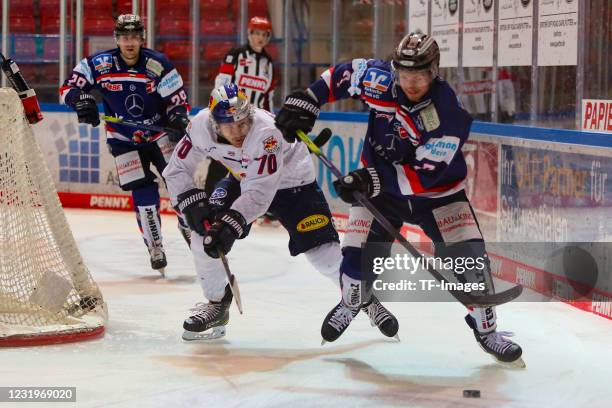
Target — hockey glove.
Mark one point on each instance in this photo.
(178, 122)
(87, 110)
(366, 181)
(228, 226)
(299, 112)
(193, 205)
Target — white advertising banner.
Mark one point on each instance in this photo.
(515, 33)
(418, 16)
(597, 115)
(558, 32)
(445, 29)
(478, 26)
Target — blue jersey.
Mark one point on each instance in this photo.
(147, 92)
(415, 147)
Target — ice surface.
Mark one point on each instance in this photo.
(271, 355)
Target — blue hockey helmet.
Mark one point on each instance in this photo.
(228, 104)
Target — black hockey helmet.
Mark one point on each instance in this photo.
(128, 24)
(417, 51)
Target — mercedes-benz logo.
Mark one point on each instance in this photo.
(134, 104)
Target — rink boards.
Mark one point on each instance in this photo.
(526, 184)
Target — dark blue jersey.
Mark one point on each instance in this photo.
(147, 92)
(416, 147)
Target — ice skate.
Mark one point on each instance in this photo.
(503, 350)
(209, 320)
(158, 259)
(337, 321)
(381, 318)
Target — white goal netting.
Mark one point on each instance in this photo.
(46, 292)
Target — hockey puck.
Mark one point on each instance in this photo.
(471, 393)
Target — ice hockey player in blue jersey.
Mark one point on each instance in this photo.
(141, 85)
(413, 171)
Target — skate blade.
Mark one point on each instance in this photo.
(518, 363)
(211, 334)
(396, 337)
(162, 272)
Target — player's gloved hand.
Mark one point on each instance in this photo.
(299, 112)
(228, 226)
(193, 205)
(87, 110)
(178, 122)
(366, 181)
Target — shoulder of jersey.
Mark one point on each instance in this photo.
(200, 127)
(445, 95)
(148, 52)
(378, 77)
(263, 118)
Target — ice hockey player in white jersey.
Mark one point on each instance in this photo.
(267, 174)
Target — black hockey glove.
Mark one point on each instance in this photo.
(178, 122)
(228, 226)
(193, 205)
(87, 110)
(299, 112)
(366, 181)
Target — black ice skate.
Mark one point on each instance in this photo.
(495, 343)
(209, 320)
(158, 259)
(337, 321)
(381, 318)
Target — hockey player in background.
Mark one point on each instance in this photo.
(141, 85)
(413, 170)
(267, 174)
(251, 68)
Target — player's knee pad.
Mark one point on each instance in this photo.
(326, 259)
(358, 227)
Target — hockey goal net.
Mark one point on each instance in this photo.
(46, 292)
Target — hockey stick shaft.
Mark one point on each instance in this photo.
(463, 297)
(121, 121)
(231, 279)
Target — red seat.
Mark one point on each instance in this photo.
(123, 7)
(21, 8)
(97, 8)
(51, 48)
(22, 24)
(175, 27)
(29, 72)
(215, 51)
(183, 69)
(49, 24)
(214, 9)
(224, 28)
(255, 8)
(98, 27)
(176, 50)
(50, 73)
(175, 8)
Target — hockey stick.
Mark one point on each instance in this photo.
(463, 297)
(121, 121)
(232, 281)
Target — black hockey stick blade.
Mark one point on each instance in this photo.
(322, 138)
(233, 283)
(463, 297)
